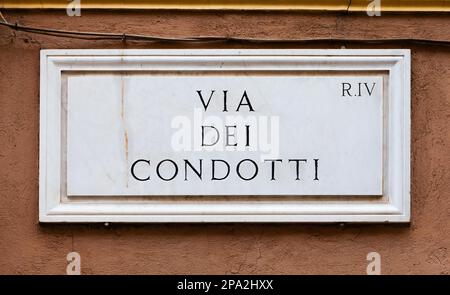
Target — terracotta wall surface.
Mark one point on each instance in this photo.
(423, 246)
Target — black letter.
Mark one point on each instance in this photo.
(247, 129)
(201, 98)
(203, 136)
(245, 104)
(370, 91)
(316, 166)
(346, 90)
(132, 170)
(273, 167)
(174, 164)
(254, 164)
(297, 165)
(186, 163)
(213, 169)
(230, 135)
(225, 100)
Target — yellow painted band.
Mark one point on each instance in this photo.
(313, 5)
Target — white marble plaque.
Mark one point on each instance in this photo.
(148, 128)
(264, 134)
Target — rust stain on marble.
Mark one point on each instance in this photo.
(125, 131)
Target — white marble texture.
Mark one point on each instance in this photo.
(115, 119)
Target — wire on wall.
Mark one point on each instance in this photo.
(85, 35)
